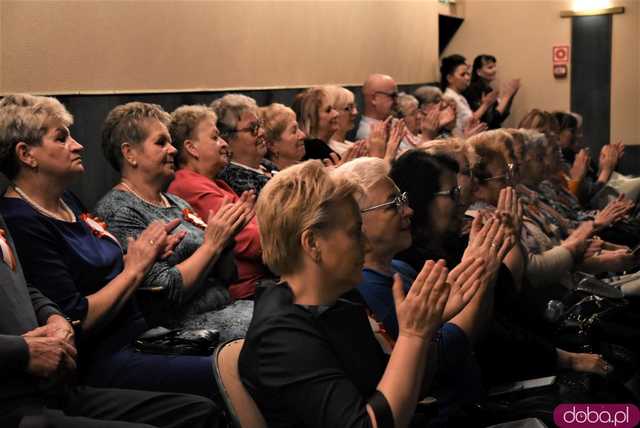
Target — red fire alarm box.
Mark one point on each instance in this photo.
(561, 55)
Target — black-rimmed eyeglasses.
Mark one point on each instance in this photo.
(399, 201)
(254, 128)
(453, 193)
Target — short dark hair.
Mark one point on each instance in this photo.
(418, 174)
(479, 62)
(565, 120)
(448, 66)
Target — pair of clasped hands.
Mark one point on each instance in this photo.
(437, 295)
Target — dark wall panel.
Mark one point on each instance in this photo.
(591, 76)
(89, 112)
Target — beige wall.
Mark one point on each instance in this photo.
(625, 78)
(521, 33)
(83, 46)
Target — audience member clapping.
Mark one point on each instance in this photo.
(285, 139)
(201, 155)
(240, 126)
(183, 289)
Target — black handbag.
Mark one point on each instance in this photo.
(160, 340)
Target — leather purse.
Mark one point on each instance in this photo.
(160, 340)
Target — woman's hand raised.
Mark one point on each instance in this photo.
(464, 280)
(228, 221)
(420, 311)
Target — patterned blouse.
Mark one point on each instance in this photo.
(127, 216)
(242, 178)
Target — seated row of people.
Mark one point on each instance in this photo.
(194, 253)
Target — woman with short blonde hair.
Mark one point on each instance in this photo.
(344, 102)
(310, 227)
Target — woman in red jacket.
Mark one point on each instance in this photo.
(201, 155)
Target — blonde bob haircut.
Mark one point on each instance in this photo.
(275, 117)
(184, 122)
(339, 96)
(307, 104)
(296, 199)
(365, 172)
(26, 118)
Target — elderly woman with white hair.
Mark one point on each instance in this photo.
(240, 125)
(409, 111)
(344, 102)
(298, 362)
(387, 225)
(437, 113)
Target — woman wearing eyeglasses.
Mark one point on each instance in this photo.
(240, 125)
(386, 218)
(437, 233)
(318, 119)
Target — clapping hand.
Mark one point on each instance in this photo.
(431, 122)
(153, 242)
(420, 312)
(464, 280)
(228, 221)
(580, 165)
(615, 211)
(473, 127)
(490, 241)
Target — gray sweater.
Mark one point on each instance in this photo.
(127, 216)
(22, 309)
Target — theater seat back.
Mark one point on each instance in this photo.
(241, 409)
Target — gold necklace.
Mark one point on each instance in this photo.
(71, 217)
(163, 204)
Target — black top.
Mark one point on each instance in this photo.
(302, 366)
(67, 262)
(315, 148)
(492, 117)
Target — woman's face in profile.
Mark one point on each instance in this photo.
(444, 212)
(347, 114)
(460, 78)
(388, 228)
(341, 246)
(488, 71)
(327, 117)
(290, 146)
